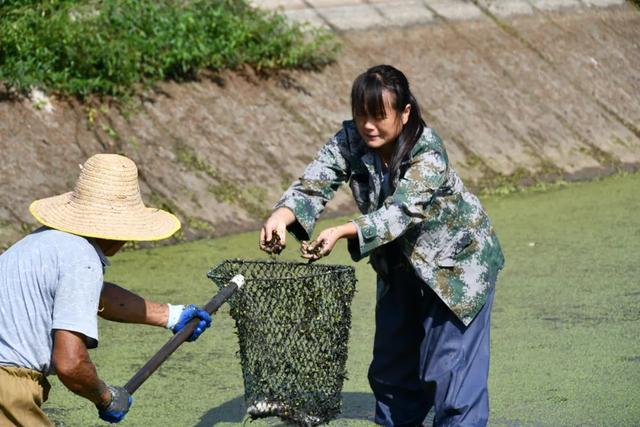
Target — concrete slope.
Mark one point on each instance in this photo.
(545, 90)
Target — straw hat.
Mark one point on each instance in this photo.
(106, 204)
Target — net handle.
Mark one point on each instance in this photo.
(175, 341)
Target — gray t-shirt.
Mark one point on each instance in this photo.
(48, 280)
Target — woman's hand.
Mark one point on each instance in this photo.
(326, 240)
(274, 231)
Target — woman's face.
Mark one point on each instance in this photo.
(378, 133)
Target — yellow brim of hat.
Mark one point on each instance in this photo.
(139, 223)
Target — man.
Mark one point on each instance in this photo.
(51, 290)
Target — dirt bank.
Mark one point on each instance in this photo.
(542, 96)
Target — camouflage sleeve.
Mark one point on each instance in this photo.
(408, 206)
(308, 196)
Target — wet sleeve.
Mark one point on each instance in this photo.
(308, 196)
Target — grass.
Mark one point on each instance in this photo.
(565, 336)
(115, 47)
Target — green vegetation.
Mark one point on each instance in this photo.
(110, 47)
(565, 337)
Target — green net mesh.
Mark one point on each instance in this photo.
(293, 323)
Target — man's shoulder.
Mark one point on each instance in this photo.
(68, 247)
(46, 234)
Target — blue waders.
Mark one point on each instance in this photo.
(424, 357)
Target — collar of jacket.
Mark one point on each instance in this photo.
(368, 158)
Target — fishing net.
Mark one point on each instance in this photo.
(293, 323)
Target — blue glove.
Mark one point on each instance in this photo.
(189, 313)
(118, 407)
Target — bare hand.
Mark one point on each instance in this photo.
(322, 245)
(274, 231)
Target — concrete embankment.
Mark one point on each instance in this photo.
(520, 90)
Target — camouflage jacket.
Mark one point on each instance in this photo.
(440, 228)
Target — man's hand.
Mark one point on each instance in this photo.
(115, 410)
(190, 312)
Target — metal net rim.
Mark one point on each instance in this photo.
(329, 269)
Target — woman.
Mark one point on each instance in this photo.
(428, 239)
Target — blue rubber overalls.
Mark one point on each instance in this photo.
(424, 356)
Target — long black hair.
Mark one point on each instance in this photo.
(367, 100)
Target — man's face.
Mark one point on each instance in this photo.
(110, 247)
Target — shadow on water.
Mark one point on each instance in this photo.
(355, 406)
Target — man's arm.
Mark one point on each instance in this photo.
(121, 305)
(75, 369)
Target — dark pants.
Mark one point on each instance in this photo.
(425, 357)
